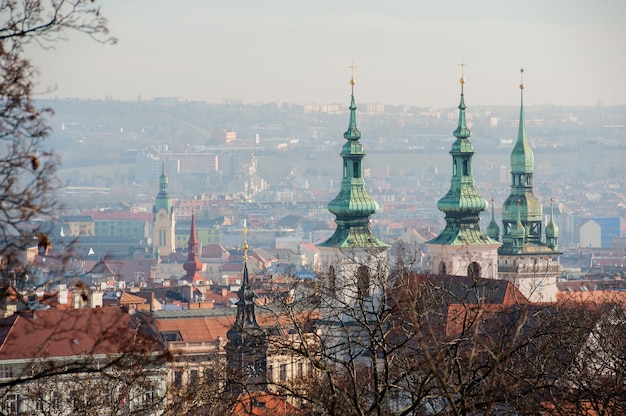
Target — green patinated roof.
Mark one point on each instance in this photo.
(522, 158)
(526, 203)
(352, 200)
(529, 249)
(493, 231)
(352, 236)
(462, 204)
(462, 234)
(163, 199)
(353, 206)
(552, 230)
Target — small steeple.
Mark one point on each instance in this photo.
(493, 231)
(246, 350)
(552, 231)
(353, 132)
(163, 198)
(246, 316)
(462, 132)
(193, 265)
(522, 157)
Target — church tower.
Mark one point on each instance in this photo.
(246, 351)
(527, 257)
(353, 255)
(462, 249)
(193, 265)
(164, 222)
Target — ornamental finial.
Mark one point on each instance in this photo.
(352, 68)
(245, 242)
(521, 86)
(462, 65)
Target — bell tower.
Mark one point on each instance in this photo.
(462, 249)
(528, 257)
(353, 257)
(164, 221)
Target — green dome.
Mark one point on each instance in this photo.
(352, 201)
(455, 202)
(530, 208)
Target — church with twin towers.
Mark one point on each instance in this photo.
(522, 251)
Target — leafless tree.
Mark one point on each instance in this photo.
(27, 168)
(431, 344)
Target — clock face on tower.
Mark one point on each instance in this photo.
(162, 215)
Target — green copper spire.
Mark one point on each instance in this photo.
(552, 231)
(353, 206)
(522, 158)
(493, 231)
(163, 198)
(521, 202)
(462, 204)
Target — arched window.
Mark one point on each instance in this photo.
(465, 168)
(357, 170)
(332, 278)
(473, 270)
(363, 281)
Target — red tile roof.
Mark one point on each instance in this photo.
(263, 404)
(76, 332)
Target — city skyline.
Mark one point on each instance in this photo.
(407, 53)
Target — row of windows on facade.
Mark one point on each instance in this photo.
(53, 403)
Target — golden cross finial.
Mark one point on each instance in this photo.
(245, 242)
(462, 65)
(352, 67)
(521, 86)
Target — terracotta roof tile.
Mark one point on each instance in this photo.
(54, 333)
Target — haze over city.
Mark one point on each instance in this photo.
(406, 52)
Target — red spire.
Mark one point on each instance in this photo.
(193, 265)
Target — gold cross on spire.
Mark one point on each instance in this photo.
(245, 242)
(462, 65)
(352, 68)
(521, 86)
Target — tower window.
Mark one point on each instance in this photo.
(363, 281)
(332, 278)
(473, 270)
(357, 170)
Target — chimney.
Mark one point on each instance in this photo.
(224, 292)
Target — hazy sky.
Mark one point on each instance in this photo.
(406, 52)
